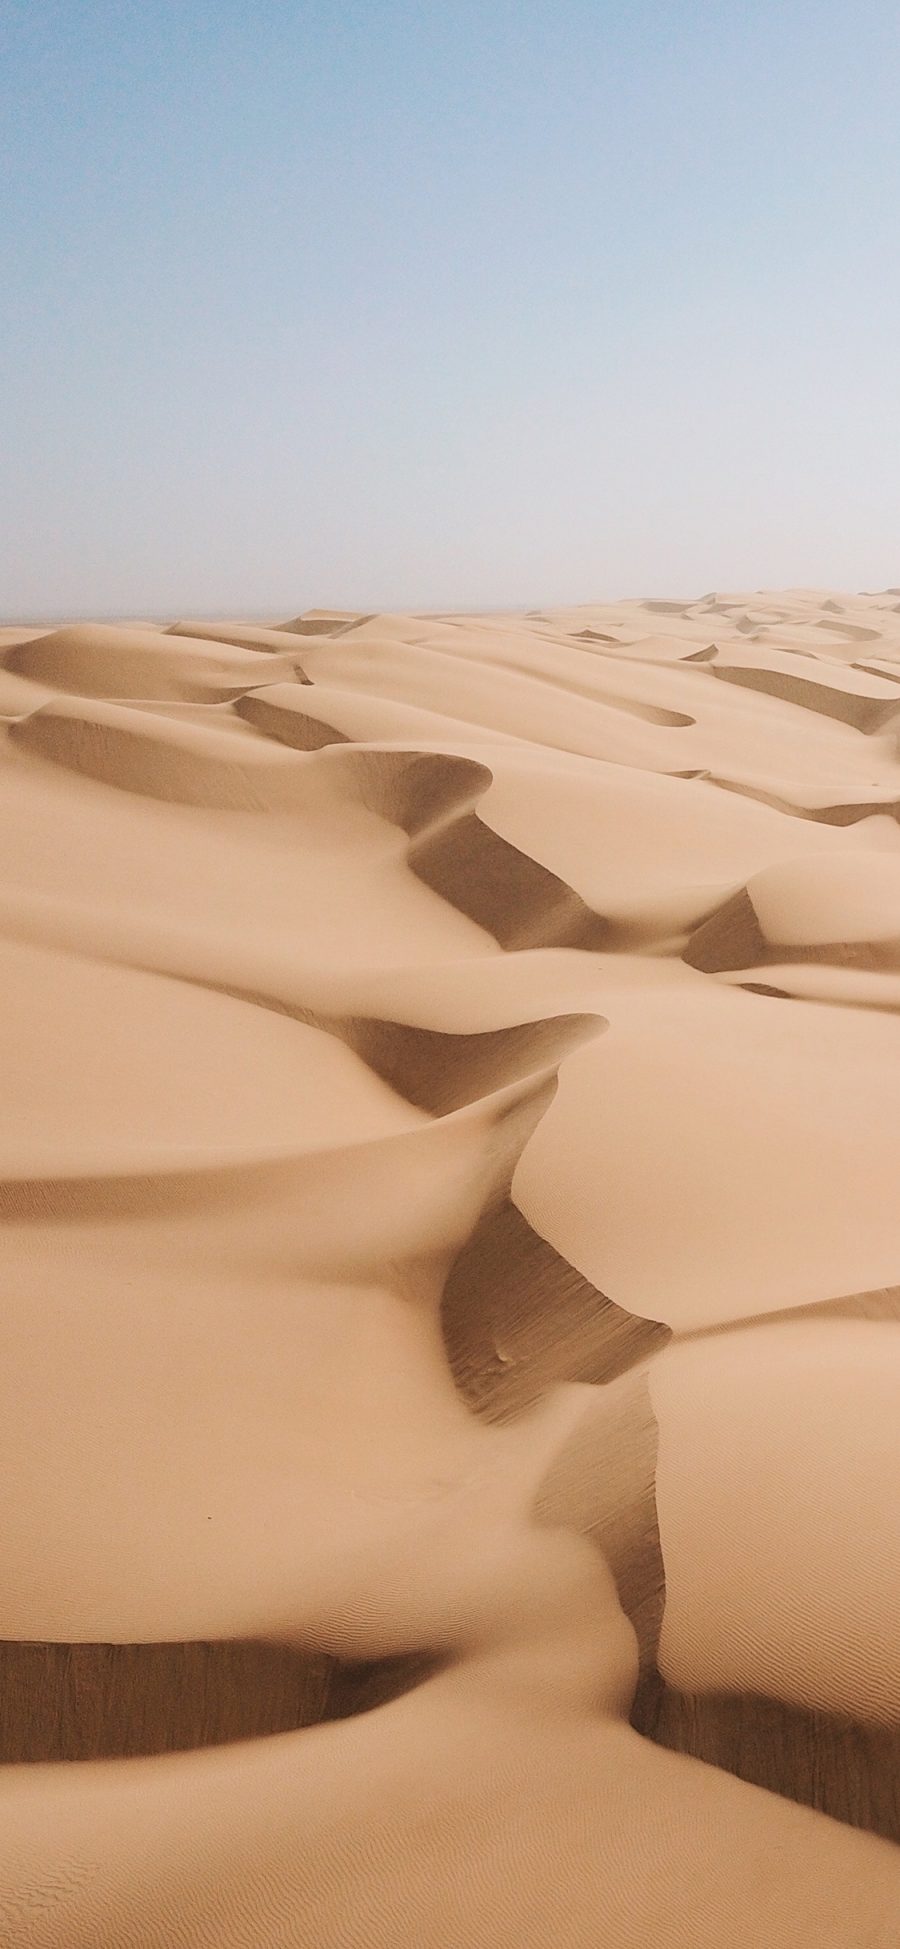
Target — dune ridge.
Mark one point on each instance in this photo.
(449, 1365)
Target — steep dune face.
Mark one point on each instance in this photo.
(450, 1350)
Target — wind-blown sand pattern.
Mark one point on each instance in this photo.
(450, 1360)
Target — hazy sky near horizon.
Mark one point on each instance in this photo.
(491, 303)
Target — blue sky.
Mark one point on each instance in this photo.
(492, 304)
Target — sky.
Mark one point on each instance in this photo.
(480, 305)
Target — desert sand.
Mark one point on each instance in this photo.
(450, 1361)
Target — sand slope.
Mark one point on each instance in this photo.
(452, 1279)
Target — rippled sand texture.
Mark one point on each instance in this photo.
(450, 1163)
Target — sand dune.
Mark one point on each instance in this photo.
(98, 660)
(450, 1351)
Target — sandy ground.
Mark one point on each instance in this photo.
(450, 1368)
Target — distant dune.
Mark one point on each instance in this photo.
(450, 1361)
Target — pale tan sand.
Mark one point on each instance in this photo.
(452, 1279)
